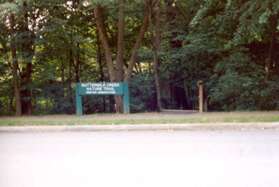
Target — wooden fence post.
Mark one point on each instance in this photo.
(201, 103)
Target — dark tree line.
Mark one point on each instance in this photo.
(160, 47)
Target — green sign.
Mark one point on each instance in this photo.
(103, 88)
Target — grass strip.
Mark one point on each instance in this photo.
(142, 118)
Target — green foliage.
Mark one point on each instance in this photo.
(233, 86)
(235, 79)
(7, 8)
(231, 45)
(142, 93)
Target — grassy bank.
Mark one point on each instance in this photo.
(142, 118)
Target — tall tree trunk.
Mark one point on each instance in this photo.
(11, 103)
(156, 49)
(28, 51)
(120, 42)
(77, 64)
(16, 80)
(269, 59)
(26, 93)
(63, 76)
(120, 54)
(99, 61)
(71, 62)
(15, 69)
(139, 39)
(98, 13)
(117, 75)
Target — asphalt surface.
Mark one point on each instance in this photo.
(140, 159)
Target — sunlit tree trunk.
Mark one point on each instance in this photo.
(120, 53)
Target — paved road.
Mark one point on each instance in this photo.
(140, 159)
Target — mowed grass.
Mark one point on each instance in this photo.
(142, 118)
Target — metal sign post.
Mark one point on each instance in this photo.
(103, 88)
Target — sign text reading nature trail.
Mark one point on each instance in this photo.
(103, 88)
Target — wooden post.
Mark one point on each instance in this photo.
(200, 86)
(78, 100)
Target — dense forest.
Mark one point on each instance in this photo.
(162, 48)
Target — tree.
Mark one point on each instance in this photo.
(118, 74)
(156, 49)
(159, 47)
